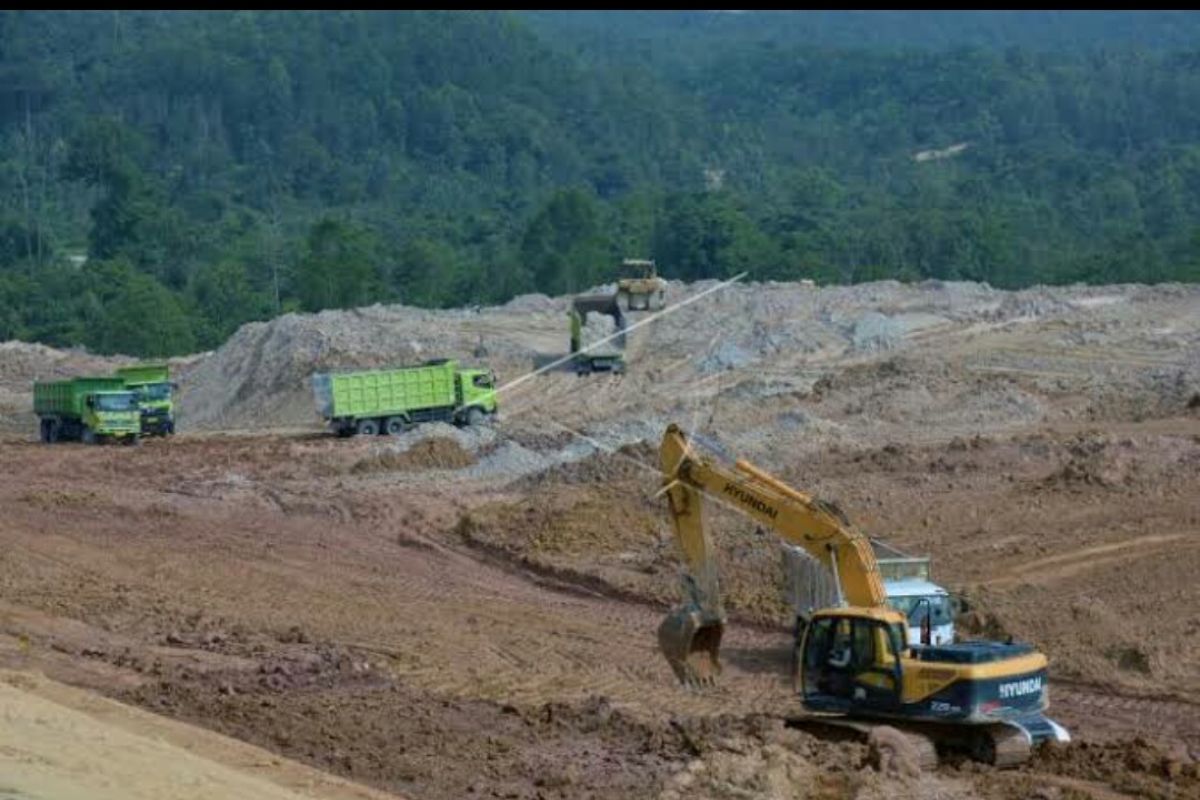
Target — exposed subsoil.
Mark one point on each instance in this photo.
(471, 613)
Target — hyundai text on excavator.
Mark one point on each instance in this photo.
(854, 667)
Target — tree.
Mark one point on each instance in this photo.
(225, 299)
(133, 219)
(340, 268)
(563, 245)
(426, 272)
(705, 236)
(133, 313)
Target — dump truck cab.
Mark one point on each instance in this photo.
(112, 413)
(87, 409)
(478, 389)
(155, 394)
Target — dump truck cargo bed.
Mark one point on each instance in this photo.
(392, 400)
(68, 398)
(383, 392)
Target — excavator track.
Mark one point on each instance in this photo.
(1009, 746)
(1012, 743)
(922, 745)
(1002, 745)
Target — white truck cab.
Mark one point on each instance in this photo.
(920, 598)
(809, 586)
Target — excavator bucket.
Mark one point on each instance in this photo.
(692, 646)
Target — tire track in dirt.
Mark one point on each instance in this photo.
(1069, 565)
(1105, 712)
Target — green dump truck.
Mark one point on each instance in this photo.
(395, 400)
(596, 348)
(87, 409)
(152, 384)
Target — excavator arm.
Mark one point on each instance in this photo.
(690, 636)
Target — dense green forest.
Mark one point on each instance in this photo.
(221, 167)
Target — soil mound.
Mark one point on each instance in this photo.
(433, 453)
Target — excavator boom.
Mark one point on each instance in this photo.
(690, 636)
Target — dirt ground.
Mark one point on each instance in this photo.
(471, 613)
(64, 743)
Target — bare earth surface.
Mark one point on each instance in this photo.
(63, 743)
(471, 613)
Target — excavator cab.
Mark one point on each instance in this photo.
(850, 661)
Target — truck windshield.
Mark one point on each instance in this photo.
(155, 391)
(915, 608)
(117, 401)
(482, 381)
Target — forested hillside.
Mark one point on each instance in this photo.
(216, 168)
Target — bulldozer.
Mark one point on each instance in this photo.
(853, 666)
(645, 291)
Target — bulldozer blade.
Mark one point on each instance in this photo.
(691, 646)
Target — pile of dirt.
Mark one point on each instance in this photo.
(259, 378)
(760, 757)
(431, 453)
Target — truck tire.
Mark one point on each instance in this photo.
(475, 416)
(52, 431)
(368, 427)
(394, 426)
(44, 429)
(88, 436)
(132, 441)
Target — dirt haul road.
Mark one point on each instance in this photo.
(458, 614)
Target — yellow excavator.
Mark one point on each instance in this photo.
(854, 667)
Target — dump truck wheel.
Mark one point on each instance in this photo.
(52, 431)
(89, 437)
(394, 426)
(368, 427)
(474, 417)
(44, 429)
